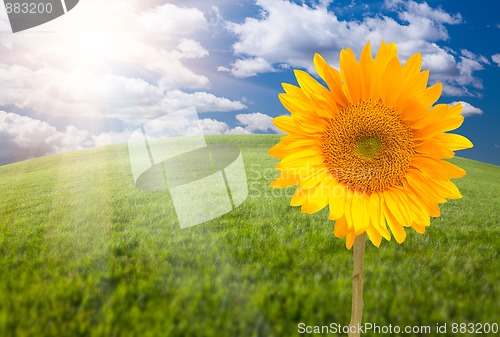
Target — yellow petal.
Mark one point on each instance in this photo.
(434, 148)
(429, 167)
(301, 159)
(417, 208)
(376, 216)
(321, 66)
(288, 146)
(288, 139)
(317, 200)
(340, 228)
(374, 209)
(425, 116)
(360, 213)
(454, 142)
(410, 103)
(349, 239)
(277, 151)
(422, 218)
(303, 113)
(410, 80)
(412, 66)
(374, 236)
(348, 209)
(386, 52)
(299, 197)
(425, 200)
(292, 89)
(382, 228)
(452, 170)
(337, 201)
(436, 128)
(285, 179)
(366, 64)
(420, 184)
(396, 228)
(418, 228)
(395, 204)
(384, 55)
(404, 204)
(318, 92)
(454, 110)
(310, 122)
(314, 179)
(352, 74)
(303, 144)
(285, 124)
(297, 103)
(332, 78)
(446, 189)
(433, 93)
(391, 86)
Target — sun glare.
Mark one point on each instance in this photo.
(93, 46)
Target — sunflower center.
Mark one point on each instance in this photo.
(367, 146)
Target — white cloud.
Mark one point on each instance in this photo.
(191, 49)
(468, 109)
(82, 92)
(108, 138)
(223, 69)
(238, 131)
(257, 122)
(423, 10)
(250, 123)
(454, 90)
(289, 33)
(77, 92)
(496, 59)
(214, 127)
(251, 67)
(204, 102)
(24, 138)
(170, 19)
(457, 72)
(471, 55)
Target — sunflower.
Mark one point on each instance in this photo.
(371, 146)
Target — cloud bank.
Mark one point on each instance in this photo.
(287, 32)
(109, 58)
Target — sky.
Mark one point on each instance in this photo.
(92, 76)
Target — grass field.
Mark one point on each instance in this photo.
(85, 253)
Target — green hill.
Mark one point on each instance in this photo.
(85, 253)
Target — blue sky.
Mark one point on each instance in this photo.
(92, 76)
